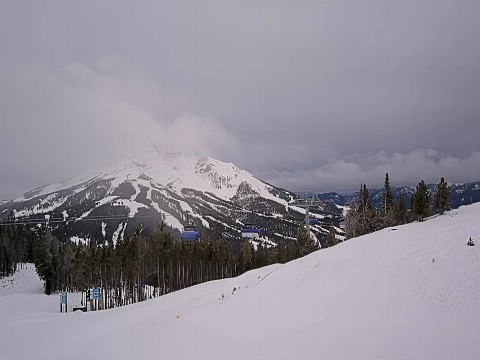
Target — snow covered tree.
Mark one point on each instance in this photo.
(362, 217)
(442, 196)
(352, 218)
(352, 223)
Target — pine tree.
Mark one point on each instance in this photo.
(421, 201)
(77, 266)
(412, 207)
(442, 195)
(292, 250)
(43, 261)
(305, 242)
(369, 214)
(54, 251)
(352, 223)
(353, 218)
(15, 244)
(365, 199)
(362, 217)
(400, 210)
(331, 237)
(281, 252)
(247, 256)
(387, 202)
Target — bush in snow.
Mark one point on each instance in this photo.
(471, 242)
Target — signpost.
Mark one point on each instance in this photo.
(96, 296)
(91, 297)
(63, 300)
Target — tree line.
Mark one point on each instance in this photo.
(137, 267)
(140, 266)
(16, 248)
(363, 218)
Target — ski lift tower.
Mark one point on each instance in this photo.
(306, 203)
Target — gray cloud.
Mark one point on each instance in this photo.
(300, 93)
(349, 172)
(83, 118)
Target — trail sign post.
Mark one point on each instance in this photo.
(63, 301)
(93, 295)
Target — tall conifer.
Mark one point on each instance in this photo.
(387, 200)
(442, 196)
(421, 201)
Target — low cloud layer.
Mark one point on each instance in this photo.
(83, 118)
(404, 169)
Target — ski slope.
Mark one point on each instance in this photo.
(160, 185)
(411, 293)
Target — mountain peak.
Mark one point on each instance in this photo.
(161, 184)
(164, 152)
(164, 167)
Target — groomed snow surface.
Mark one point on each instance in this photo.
(411, 293)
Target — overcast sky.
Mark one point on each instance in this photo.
(307, 95)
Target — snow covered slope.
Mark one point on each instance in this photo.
(409, 293)
(167, 168)
(160, 185)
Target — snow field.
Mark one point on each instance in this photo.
(411, 293)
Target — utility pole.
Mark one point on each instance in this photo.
(306, 203)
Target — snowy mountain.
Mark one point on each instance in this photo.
(409, 292)
(334, 198)
(162, 185)
(460, 194)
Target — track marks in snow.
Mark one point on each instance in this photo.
(24, 280)
(268, 274)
